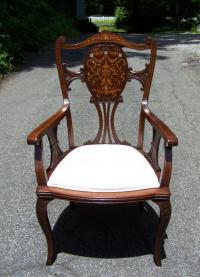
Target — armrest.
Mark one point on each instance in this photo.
(35, 136)
(168, 136)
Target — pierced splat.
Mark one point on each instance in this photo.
(106, 113)
(106, 71)
(142, 76)
(153, 152)
(56, 152)
(70, 76)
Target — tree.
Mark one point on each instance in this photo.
(101, 7)
(80, 9)
(143, 15)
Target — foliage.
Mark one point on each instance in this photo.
(100, 7)
(5, 62)
(120, 14)
(144, 15)
(147, 15)
(27, 25)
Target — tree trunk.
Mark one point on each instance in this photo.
(80, 9)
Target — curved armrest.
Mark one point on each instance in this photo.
(35, 136)
(168, 136)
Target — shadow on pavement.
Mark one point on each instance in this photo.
(46, 58)
(106, 231)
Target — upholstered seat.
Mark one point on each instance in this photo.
(104, 168)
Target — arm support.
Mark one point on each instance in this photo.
(160, 129)
(49, 128)
(35, 136)
(164, 131)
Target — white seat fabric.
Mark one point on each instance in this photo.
(104, 168)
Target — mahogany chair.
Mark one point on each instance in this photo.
(128, 174)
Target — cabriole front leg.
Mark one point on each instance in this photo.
(165, 214)
(41, 210)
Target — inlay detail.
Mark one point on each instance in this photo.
(106, 71)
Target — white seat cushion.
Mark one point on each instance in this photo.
(104, 168)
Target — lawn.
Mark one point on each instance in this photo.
(107, 24)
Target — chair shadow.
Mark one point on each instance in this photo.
(106, 231)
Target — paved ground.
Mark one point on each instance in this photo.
(92, 244)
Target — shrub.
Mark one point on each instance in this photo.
(144, 15)
(5, 62)
(120, 14)
(27, 25)
(189, 24)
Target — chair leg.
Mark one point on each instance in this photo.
(141, 206)
(165, 214)
(71, 205)
(41, 210)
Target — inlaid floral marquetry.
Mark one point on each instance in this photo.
(106, 71)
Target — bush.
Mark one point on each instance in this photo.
(189, 24)
(5, 62)
(120, 14)
(148, 15)
(144, 15)
(27, 25)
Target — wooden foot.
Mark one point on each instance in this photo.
(165, 214)
(41, 210)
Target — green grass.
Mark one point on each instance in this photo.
(107, 25)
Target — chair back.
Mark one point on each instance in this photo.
(106, 73)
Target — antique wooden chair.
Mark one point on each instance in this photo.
(105, 170)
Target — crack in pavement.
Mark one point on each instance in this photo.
(182, 105)
(179, 100)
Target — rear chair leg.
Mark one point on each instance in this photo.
(41, 210)
(165, 214)
(141, 206)
(72, 205)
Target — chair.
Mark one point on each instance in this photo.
(105, 169)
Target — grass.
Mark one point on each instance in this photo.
(107, 25)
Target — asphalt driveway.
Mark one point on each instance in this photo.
(101, 241)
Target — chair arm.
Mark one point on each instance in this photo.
(35, 136)
(168, 136)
